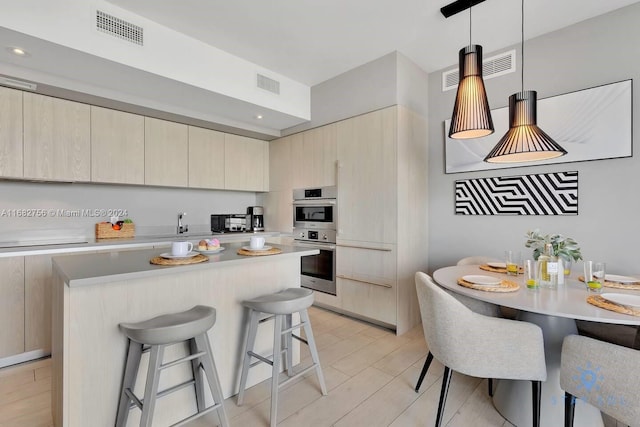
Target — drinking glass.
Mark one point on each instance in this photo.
(594, 273)
(530, 279)
(512, 260)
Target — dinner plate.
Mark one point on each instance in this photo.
(249, 248)
(169, 256)
(497, 264)
(481, 280)
(209, 251)
(627, 300)
(620, 279)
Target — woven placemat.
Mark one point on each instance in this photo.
(598, 301)
(504, 286)
(271, 251)
(486, 267)
(179, 261)
(631, 286)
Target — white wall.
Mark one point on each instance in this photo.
(153, 209)
(594, 52)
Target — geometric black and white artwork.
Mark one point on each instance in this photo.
(539, 194)
(591, 124)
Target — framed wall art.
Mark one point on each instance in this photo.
(591, 124)
(539, 194)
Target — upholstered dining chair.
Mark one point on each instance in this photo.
(477, 345)
(475, 305)
(603, 374)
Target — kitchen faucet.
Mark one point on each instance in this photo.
(182, 228)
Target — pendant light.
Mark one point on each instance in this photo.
(524, 141)
(471, 116)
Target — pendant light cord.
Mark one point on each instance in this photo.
(470, 7)
(522, 48)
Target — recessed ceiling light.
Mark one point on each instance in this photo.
(259, 116)
(18, 51)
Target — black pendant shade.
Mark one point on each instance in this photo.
(524, 141)
(471, 114)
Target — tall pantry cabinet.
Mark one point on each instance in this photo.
(381, 175)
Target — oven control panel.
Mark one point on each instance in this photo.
(323, 236)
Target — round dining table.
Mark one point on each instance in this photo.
(555, 311)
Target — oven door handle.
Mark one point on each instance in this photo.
(314, 202)
(326, 247)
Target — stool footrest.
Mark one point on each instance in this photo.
(262, 358)
(300, 339)
(197, 415)
(137, 402)
(293, 328)
(182, 360)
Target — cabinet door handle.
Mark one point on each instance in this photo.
(383, 285)
(342, 245)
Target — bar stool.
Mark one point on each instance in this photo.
(280, 306)
(154, 335)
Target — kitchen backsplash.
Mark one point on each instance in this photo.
(35, 210)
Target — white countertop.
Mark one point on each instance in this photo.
(100, 268)
(92, 244)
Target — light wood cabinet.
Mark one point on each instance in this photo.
(367, 278)
(280, 163)
(37, 302)
(57, 142)
(166, 153)
(117, 146)
(10, 133)
(367, 182)
(12, 306)
(246, 163)
(317, 158)
(206, 158)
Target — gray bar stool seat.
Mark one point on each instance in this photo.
(280, 307)
(154, 335)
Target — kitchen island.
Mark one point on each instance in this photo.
(93, 293)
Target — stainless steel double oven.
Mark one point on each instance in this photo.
(314, 225)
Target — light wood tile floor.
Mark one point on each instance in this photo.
(370, 375)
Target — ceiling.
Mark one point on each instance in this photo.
(307, 41)
(311, 41)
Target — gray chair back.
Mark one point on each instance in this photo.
(477, 345)
(603, 374)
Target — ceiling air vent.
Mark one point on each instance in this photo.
(495, 66)
(119, 28)
(266, 83)
(20, 84)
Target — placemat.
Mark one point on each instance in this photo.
(598, 301)
(486, 267)
(631, 286)
(271, 251)
(179, 261)
(504, 286)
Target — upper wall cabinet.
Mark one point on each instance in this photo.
(246, 163)
(206, 158)
(367, 177)
(317, 159)
(117, 146)
(10, 133)
(56, 139)
(166, 153)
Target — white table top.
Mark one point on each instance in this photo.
(569, 300)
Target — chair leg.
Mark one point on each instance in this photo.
(446, 381)
(536, 394)
(197, 376)
(569, 409)
(248, 346)
(490, 385)
(130, 372)
(288, 344)
(425, 368)
(151, 386)
(311, 342)
(209, 366)
(277, 354)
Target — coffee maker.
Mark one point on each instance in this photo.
(255, 218)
